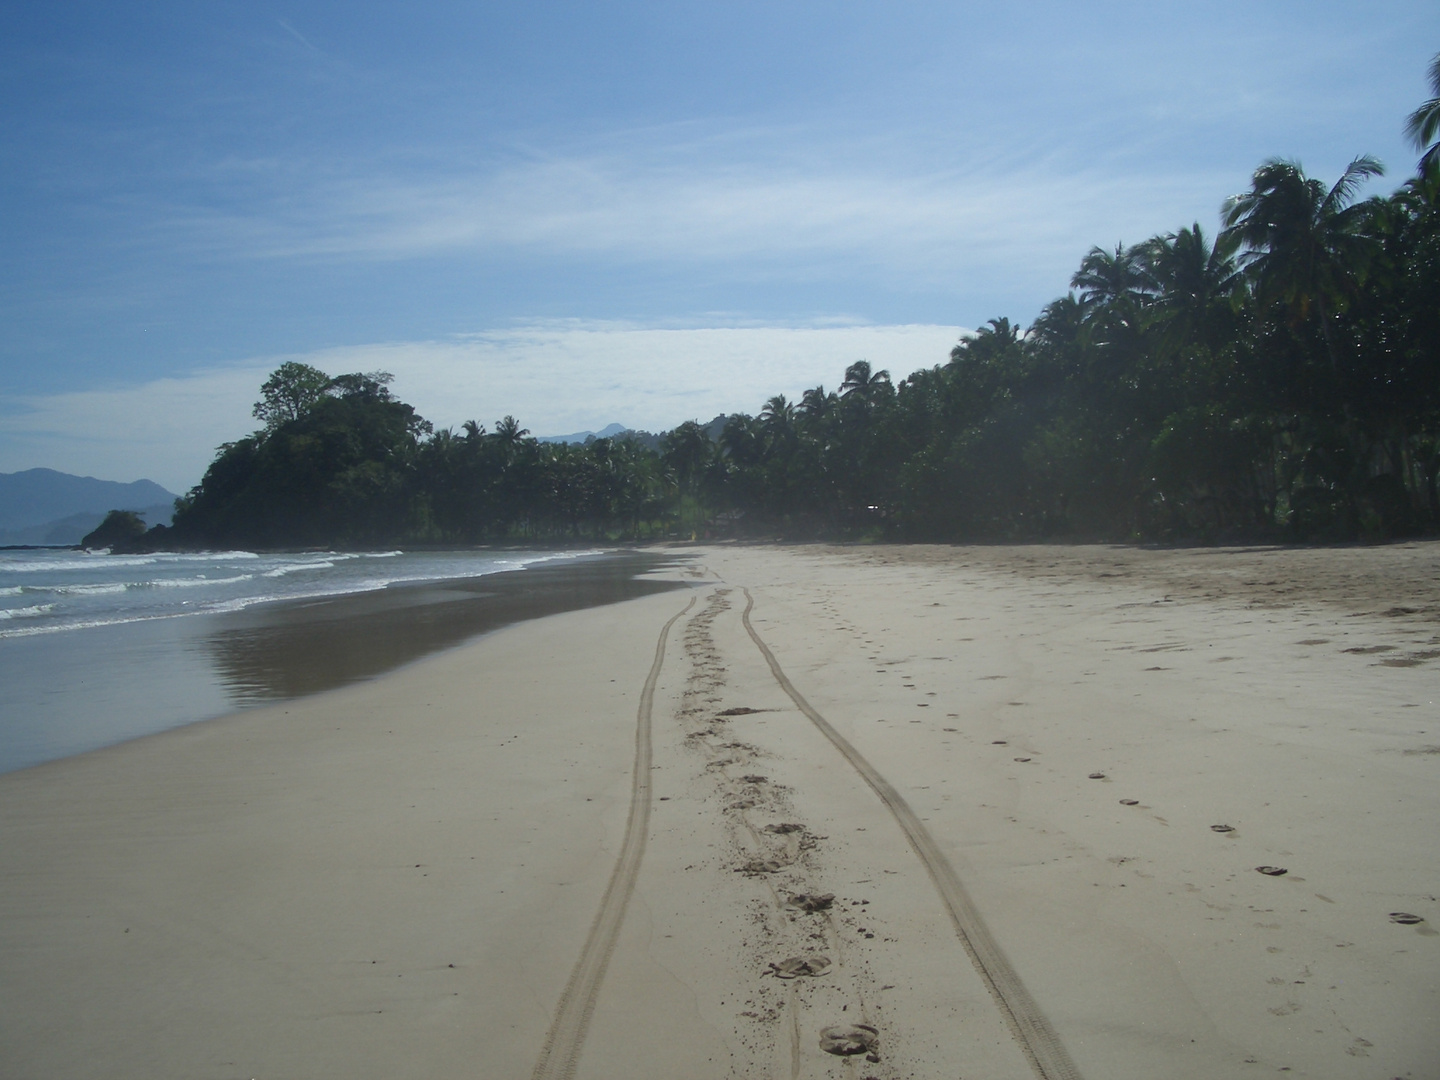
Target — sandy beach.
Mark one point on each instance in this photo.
(999, 812)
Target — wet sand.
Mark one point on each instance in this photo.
(980, 812)
(70, 692)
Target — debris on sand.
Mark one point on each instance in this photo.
(812, 901)
(760, 866)
(795, 966)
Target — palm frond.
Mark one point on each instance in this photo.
(1356, 173)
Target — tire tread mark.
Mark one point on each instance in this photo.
(563, 1042)
(1032, 1031)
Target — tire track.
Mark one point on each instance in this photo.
(563, 1042)
(1032, 1031)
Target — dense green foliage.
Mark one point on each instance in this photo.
(120, 528)
(1281, 380)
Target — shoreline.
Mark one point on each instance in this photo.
(283, 891)
(78, 690)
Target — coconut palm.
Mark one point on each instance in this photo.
(1196, 287)
(1116, 283)
(1423, 125)
(1305, 247)
(863, 382)
(778, 414)
(508, 432)
(815, 404)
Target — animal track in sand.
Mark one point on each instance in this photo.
(761, 866)
(771, 856)
(812, 902)
(846, 1040)
(1032, 1031)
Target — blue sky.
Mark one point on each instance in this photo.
(587, 212)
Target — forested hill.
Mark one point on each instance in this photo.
(1281, 380)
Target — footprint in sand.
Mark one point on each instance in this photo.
(760, 866)
(795, 966)
(1129, 802)
(1222, 828)
(754, 779)
(1404, 918)
(784, 827)
(812, 901)
(847, 1040)
(1273, 871)
(1097, 776)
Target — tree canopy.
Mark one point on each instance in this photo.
(1281, 380)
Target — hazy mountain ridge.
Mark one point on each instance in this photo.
(44, 506)
(609, 431)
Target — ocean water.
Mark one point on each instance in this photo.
(97, 649)
(48, 592)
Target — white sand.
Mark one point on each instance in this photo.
(281, 893)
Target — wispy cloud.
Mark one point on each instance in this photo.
(554, 378)
(740, 202)
(301, 38)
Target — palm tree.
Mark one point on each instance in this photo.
(1304, 245)
(1423, 125)
(1059, 326)
(778, 415)
(861, 381)
(815, 403)
(687, 451)
(1196, 286)
(509, 432)
(1116, 283)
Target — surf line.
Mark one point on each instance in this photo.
(1032, 1031)
(561, 1052)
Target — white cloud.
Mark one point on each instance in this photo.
(554, 378)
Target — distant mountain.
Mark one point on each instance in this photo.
(42, 506)
(580, 436)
